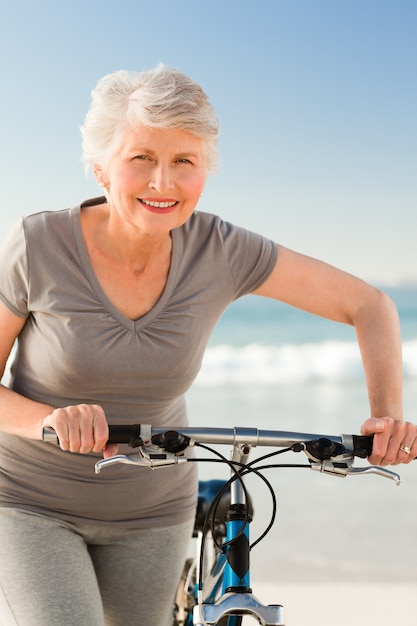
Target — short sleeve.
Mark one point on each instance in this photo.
(14, 271)
(251, 257)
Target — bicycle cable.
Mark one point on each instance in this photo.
(238, 475)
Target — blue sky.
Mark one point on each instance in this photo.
(317, 101)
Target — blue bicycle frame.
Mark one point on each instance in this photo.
(227, 594)
(230, 573)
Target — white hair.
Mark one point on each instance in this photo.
(159, 98)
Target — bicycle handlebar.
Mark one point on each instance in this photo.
(159, 447)
(139, 435)
(358, 445)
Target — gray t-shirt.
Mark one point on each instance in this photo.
(77, 347)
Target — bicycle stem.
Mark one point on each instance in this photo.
(239, 456)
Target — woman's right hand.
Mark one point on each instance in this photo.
(81, 428)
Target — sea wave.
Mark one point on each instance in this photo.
(259, 364)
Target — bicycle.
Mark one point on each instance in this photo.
(215, 585)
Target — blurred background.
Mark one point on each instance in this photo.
(317, 104)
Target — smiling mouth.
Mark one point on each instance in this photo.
(154, 204)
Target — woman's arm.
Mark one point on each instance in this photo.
(80, 428)
(18, 415)
(323, 290)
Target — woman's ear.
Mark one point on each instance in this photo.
(99, 175)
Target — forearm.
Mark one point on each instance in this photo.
(21, 416)
(378, 332)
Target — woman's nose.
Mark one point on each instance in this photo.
(161, 179)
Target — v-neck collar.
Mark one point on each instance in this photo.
(96, 285)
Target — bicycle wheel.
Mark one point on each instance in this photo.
(185, 597)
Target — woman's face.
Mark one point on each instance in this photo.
(156, 177)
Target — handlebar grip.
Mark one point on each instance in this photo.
(124, 433)
(117, 434)
(362, 445)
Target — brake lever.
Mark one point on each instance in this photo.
(379, 471)
(335, 459)
(345, 468)
(146, 457)
(119, 458)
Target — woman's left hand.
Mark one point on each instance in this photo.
(395, 441)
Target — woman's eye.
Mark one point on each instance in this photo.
(143, 157)
(184, 161)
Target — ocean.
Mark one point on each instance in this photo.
(271, 366)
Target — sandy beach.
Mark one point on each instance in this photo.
(344, 604)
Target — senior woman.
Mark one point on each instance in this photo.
(112, 303)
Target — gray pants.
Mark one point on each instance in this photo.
(55, 573)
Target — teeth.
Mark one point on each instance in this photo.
(159, 205)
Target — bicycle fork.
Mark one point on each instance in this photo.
(237, 598)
